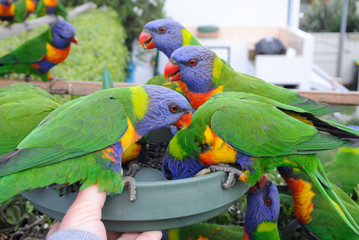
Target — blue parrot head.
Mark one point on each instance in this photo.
(178, 169)
(354, 127)
(63, 33)
(163, 34)
(263, 205)
(192, 65)
(166, 107)
(6, 3)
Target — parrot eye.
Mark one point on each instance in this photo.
(161, 29)
(268, 202)
(174, 108)
(192, 62)
(173, 61)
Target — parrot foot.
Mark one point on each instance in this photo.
(130, 182)
(27, 77)
(232, 173)
(133, 169)
(53, 80)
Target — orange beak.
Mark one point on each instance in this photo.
(184, 121)
(172, 72)
(145, 40)
(74, 40)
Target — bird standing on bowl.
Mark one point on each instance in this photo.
(51, 7)
(201, 73)
(84, 139)
(38, 55)
(312, 210)
(257, 134)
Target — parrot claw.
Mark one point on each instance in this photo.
(53, 80)
(130, 182)
(27, 77)
(232, 173)
(133, 169)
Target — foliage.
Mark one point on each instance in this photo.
(133, 14)
(101, 39)
(325, 16)
(19, 220)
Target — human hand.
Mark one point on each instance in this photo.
(85, 214)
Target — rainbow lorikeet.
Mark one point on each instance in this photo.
(166, 35)
(51, 7)
(263, 205)
(24, 106)
(7, 11)
(38, 55)
(312, 210)
(257, 134)
(84, 139)
(343, 171)
(201, 73)
(23, 8)
(260, 221)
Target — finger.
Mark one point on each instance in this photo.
(85, 212)
(153, 235)
(53, 229)
(113, 235)
(129, 236)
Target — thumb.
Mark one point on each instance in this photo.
(85, 212)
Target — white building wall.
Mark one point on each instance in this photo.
(228, 12)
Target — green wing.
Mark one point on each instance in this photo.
(76, 128)
(60, 10)
(235, 81)
(260, 129)
(40, 8)
(25, 106)
(343, 171)
(20, 10)
(29, 52)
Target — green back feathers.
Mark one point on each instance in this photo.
(25, 106)
(29, 52)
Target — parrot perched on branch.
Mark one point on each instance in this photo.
(51, 7)
(38, 55)
(83, 140)
(7, 11)
(312, 209)
(23, 8)
(25, 106)
(201, 73)
(257, 134)
(260, 221)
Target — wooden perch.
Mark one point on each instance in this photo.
(37, 22)
(81, 88)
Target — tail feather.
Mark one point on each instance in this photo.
(320, 179)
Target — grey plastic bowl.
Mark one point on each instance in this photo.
(160, 204)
